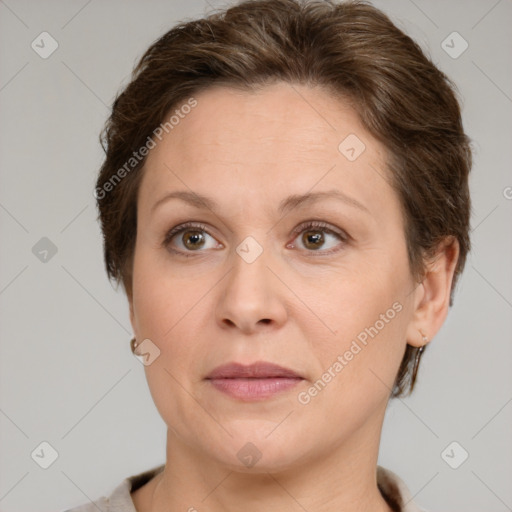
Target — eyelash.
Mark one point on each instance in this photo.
(309, 225)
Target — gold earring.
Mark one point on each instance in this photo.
(133, 344)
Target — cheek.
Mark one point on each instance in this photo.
(161, 299)
(164, 306)
(358, 364)
(170, 310)
(367, 314)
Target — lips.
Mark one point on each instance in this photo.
(257, 381)
(259, 370)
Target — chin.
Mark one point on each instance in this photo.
(253, 450)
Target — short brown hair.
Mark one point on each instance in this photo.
(353, 50)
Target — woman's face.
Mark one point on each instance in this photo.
(296, 257)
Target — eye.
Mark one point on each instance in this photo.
(319, 236)
(313, 236)
(189, 237)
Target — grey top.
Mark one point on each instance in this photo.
(391, 486)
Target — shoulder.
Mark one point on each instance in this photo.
(395, 491)
(93, 506)
(119, 500)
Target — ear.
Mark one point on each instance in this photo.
(432, 295)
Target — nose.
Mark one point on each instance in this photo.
(252, 297)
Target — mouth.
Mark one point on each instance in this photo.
(258, 381)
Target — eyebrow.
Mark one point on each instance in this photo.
(291, 202)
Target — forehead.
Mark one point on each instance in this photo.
(282, 138)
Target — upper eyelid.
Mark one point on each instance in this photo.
(303, 225)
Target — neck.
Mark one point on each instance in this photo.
(342, 480)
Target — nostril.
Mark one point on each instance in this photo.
(265, 320)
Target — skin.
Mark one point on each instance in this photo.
(292, 306)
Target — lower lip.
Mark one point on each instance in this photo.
(254, 389)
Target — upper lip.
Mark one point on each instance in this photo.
(258, 370)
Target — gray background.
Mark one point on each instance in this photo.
(67, 374)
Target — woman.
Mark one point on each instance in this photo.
(285, 200)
